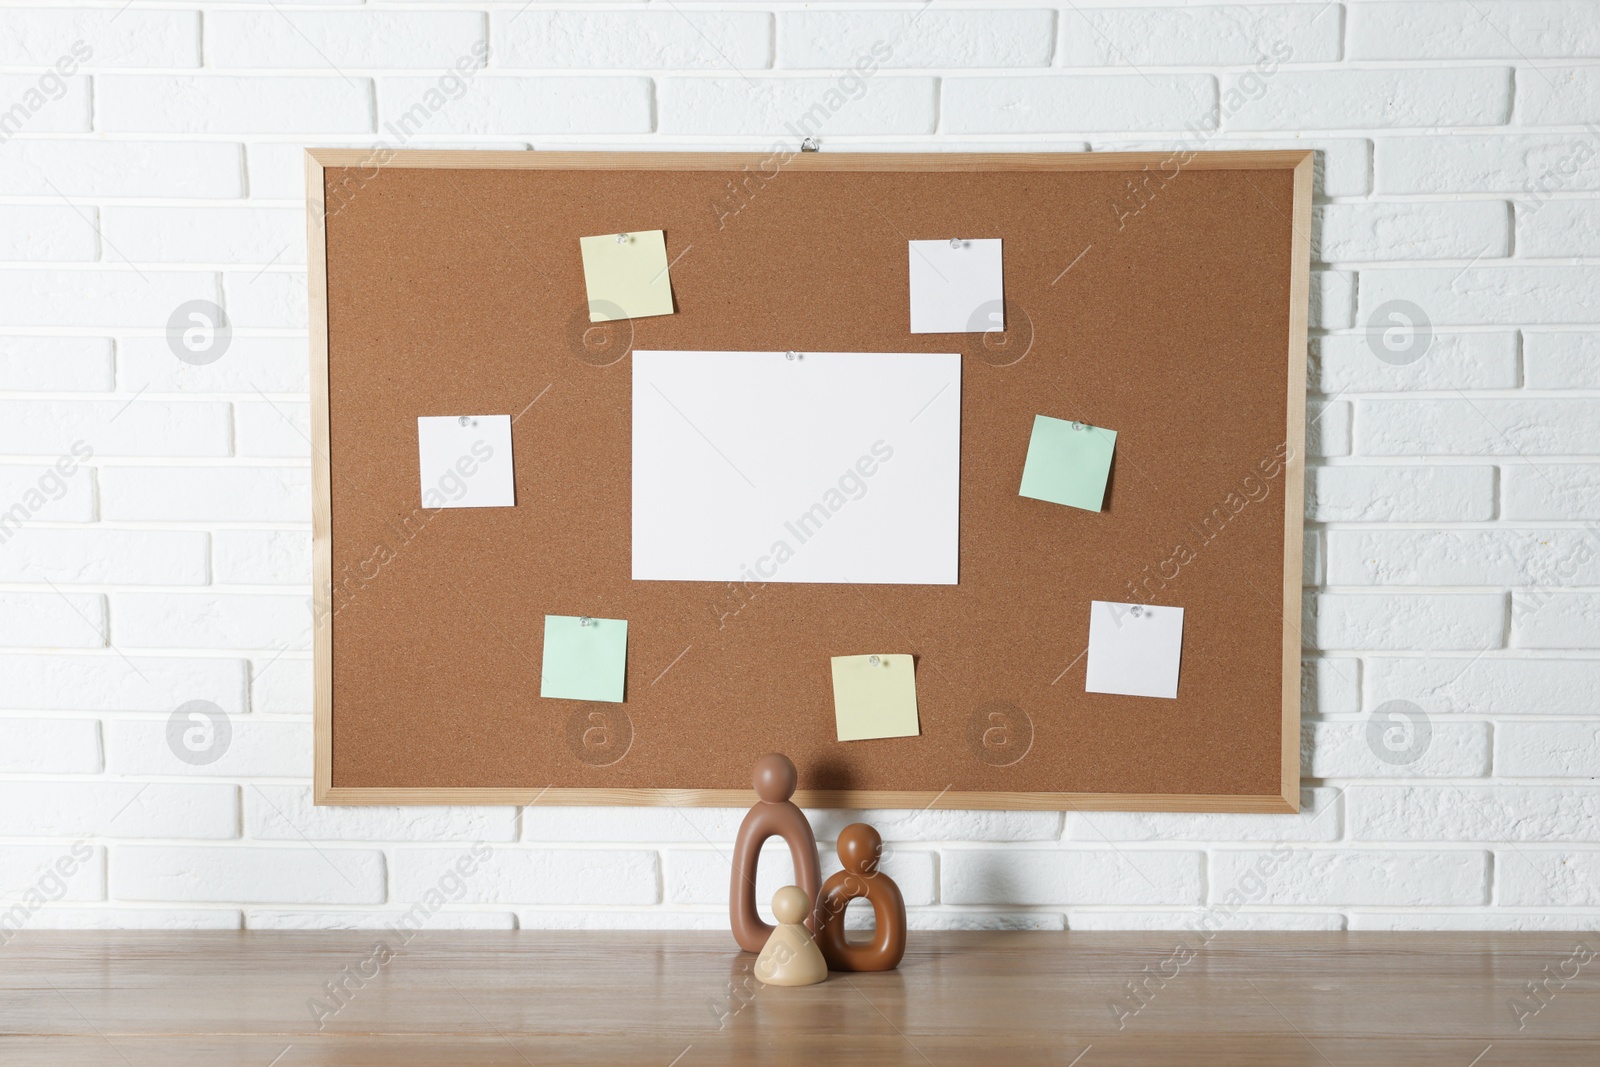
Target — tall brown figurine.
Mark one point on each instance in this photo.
(860, 849)
(775, 815)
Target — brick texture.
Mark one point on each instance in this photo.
(152, 155)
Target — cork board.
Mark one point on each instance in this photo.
(1162, 296)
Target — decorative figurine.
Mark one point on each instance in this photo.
(791, 956)
(775, 815)
(860, 849)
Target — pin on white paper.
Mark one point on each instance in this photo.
(465, 461)
(1134, 649)
(957, 286)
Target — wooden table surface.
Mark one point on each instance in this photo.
(684, 999)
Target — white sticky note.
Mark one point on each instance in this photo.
(1134, 649)
(796, 467)
(957, 287)
(466, 461)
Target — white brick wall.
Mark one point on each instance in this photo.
(37, 37)
(1092, 103)
(316, 40)
(1210, 36)
(931, 38)
(1378, 99)
(45, 234)
(1452, 500)
(610, 39)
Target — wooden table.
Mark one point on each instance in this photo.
(687, 999)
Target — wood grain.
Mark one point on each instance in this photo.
(1294, 477)
(480, 999)
(1184, 329)
(321, 481)
(822, 798)
(935, 162)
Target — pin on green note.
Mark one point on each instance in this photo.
(1068, 463)
(875, 696)
(584, 658)
(626, 275)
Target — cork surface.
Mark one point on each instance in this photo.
(460, 291)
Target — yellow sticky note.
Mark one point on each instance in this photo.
(626, 275)
(875, 696)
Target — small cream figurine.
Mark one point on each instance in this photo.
(791, 957)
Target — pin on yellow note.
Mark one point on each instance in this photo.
(626, 275)
(875, 696)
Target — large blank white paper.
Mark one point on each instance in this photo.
(796, 467)
(466, 461)
(1134, 649)
(957, 286)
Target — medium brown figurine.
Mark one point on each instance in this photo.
(774, 816)
(791, 956)
(860, 849)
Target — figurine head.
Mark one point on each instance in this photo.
(775, 778)
(860, 848)
(790, 904)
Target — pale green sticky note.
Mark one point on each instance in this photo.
(875, 696)
(1068, 463)
(626, 275)
(584, 659)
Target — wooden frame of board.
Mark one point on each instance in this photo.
(1285, 800)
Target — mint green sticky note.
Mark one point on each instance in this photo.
(1068, 463)
(584, 659)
